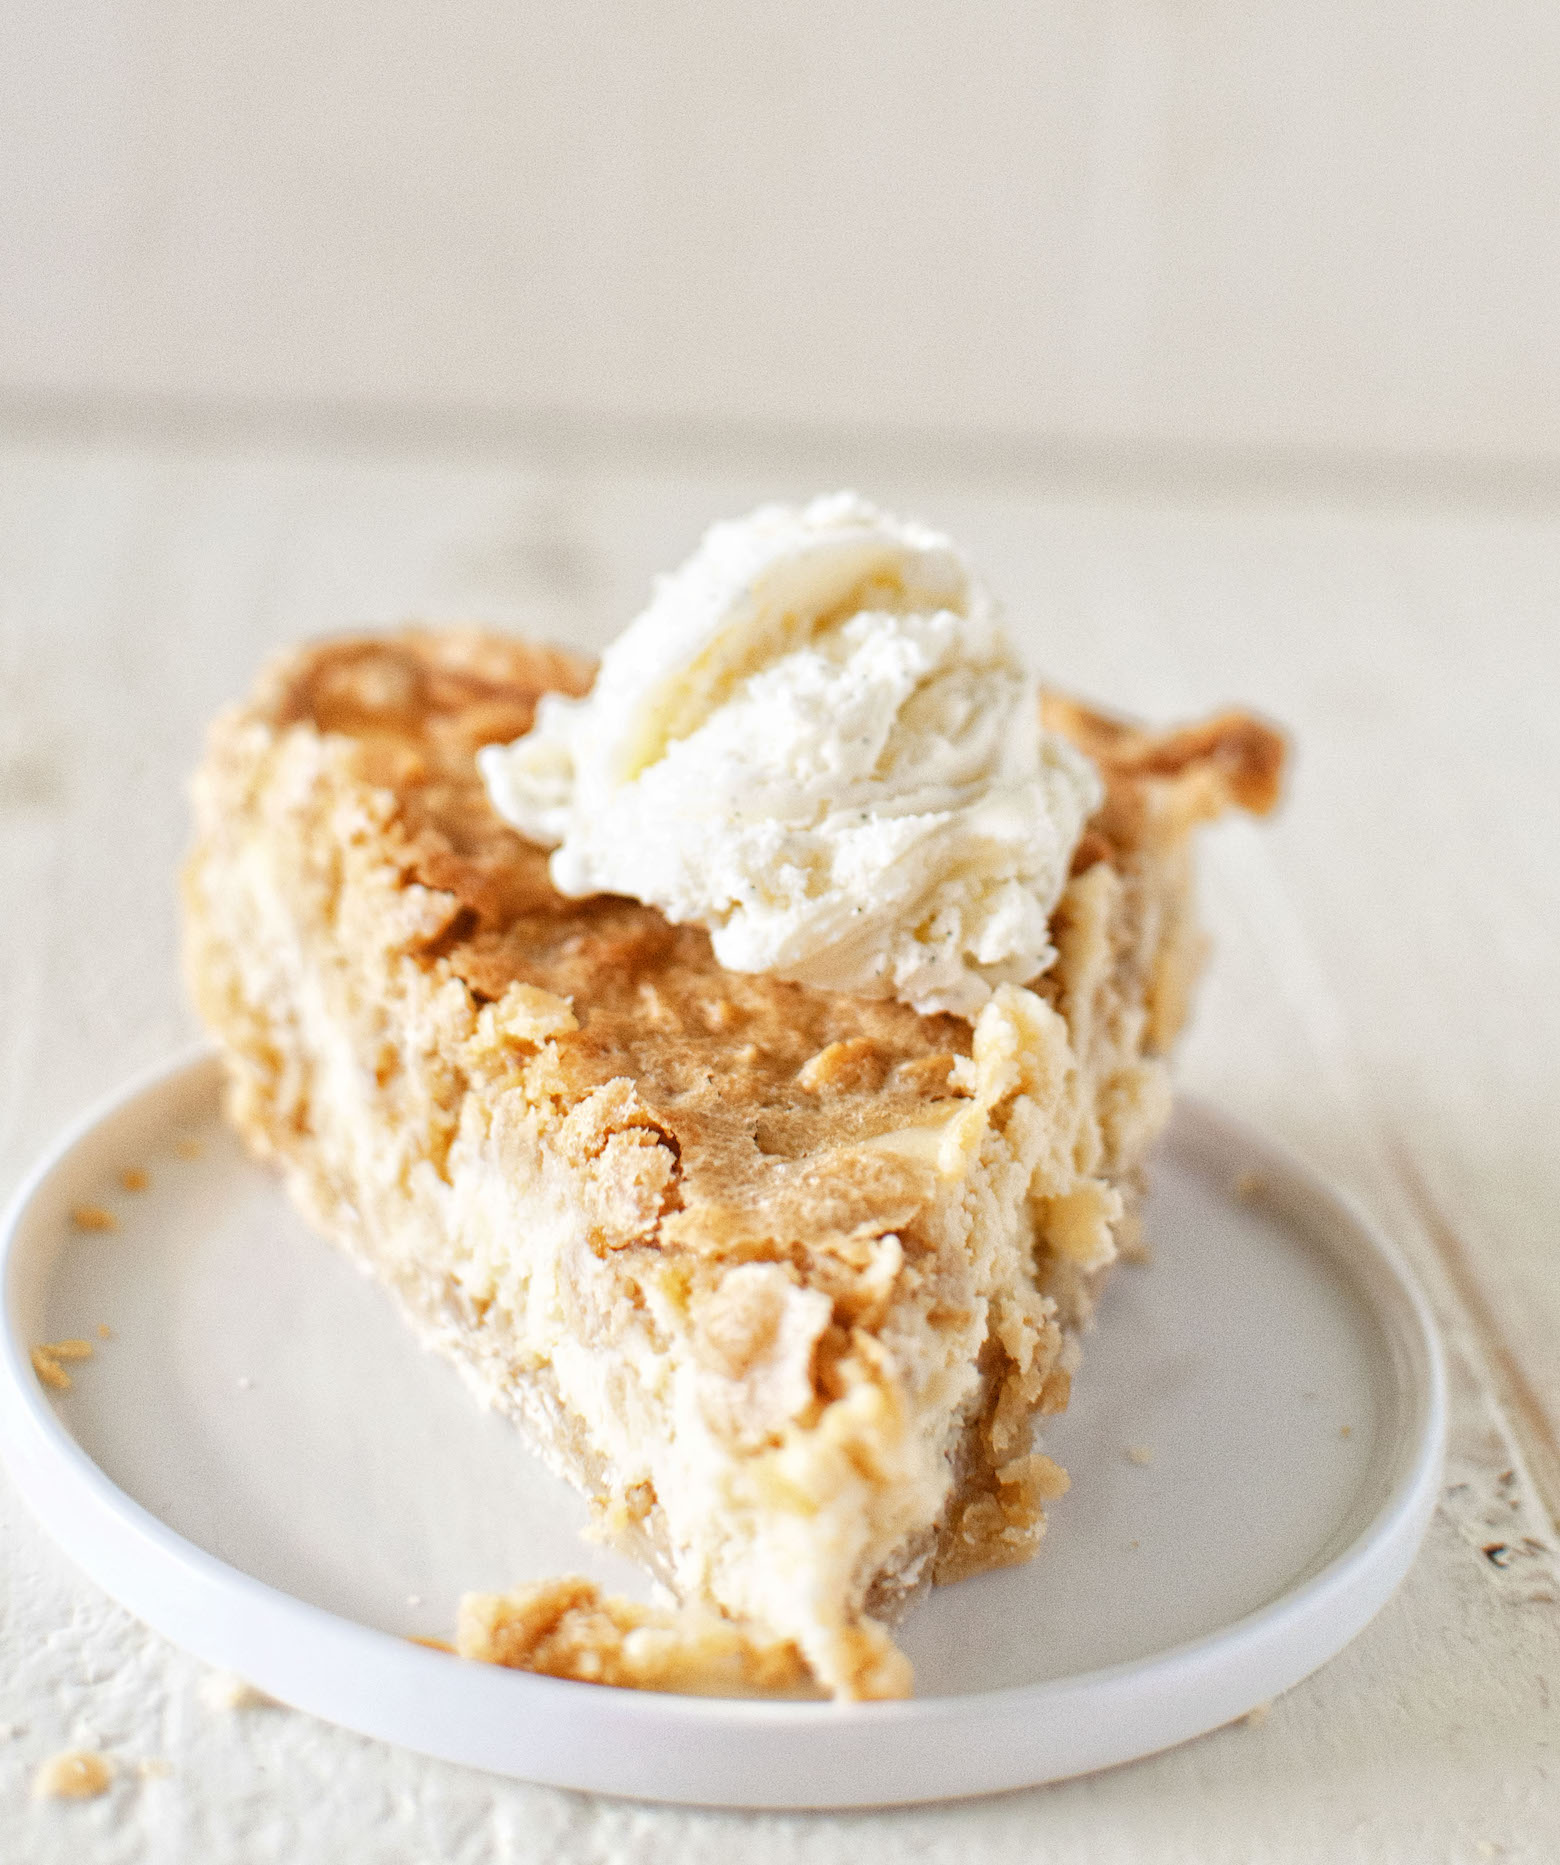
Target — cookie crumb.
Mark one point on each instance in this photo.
(224, 1690)
(76, 1774)
(93, 1217)
(135, 1178)
(1140, 1454)
(187, 1149)
(1255, 1718)
(1249, 1187)
(568, 1628)
(432, 1644)
(49, 1371)
(69, 1349)
(105, 1332)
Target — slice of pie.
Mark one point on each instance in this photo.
(779, 1276)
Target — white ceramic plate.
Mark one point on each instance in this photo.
(262, 1464)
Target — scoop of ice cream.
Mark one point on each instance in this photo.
(818, 743)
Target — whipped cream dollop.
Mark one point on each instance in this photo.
(818, 743)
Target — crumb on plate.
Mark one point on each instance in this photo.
(135, 1178)
(1249, 1187)
(93, 1217)
(49, 1371)
(569, 1628)
(1140, 1454)
(46, 1358)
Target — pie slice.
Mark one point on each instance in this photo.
(779, 1277)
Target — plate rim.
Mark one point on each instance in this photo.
(165, 1580)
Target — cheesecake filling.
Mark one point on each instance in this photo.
(818, 743)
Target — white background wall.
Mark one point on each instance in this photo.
(1301, 224)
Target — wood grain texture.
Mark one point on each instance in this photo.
(1386, 997)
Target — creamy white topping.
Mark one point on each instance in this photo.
(818, 743)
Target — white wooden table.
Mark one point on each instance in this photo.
(1386, 997)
